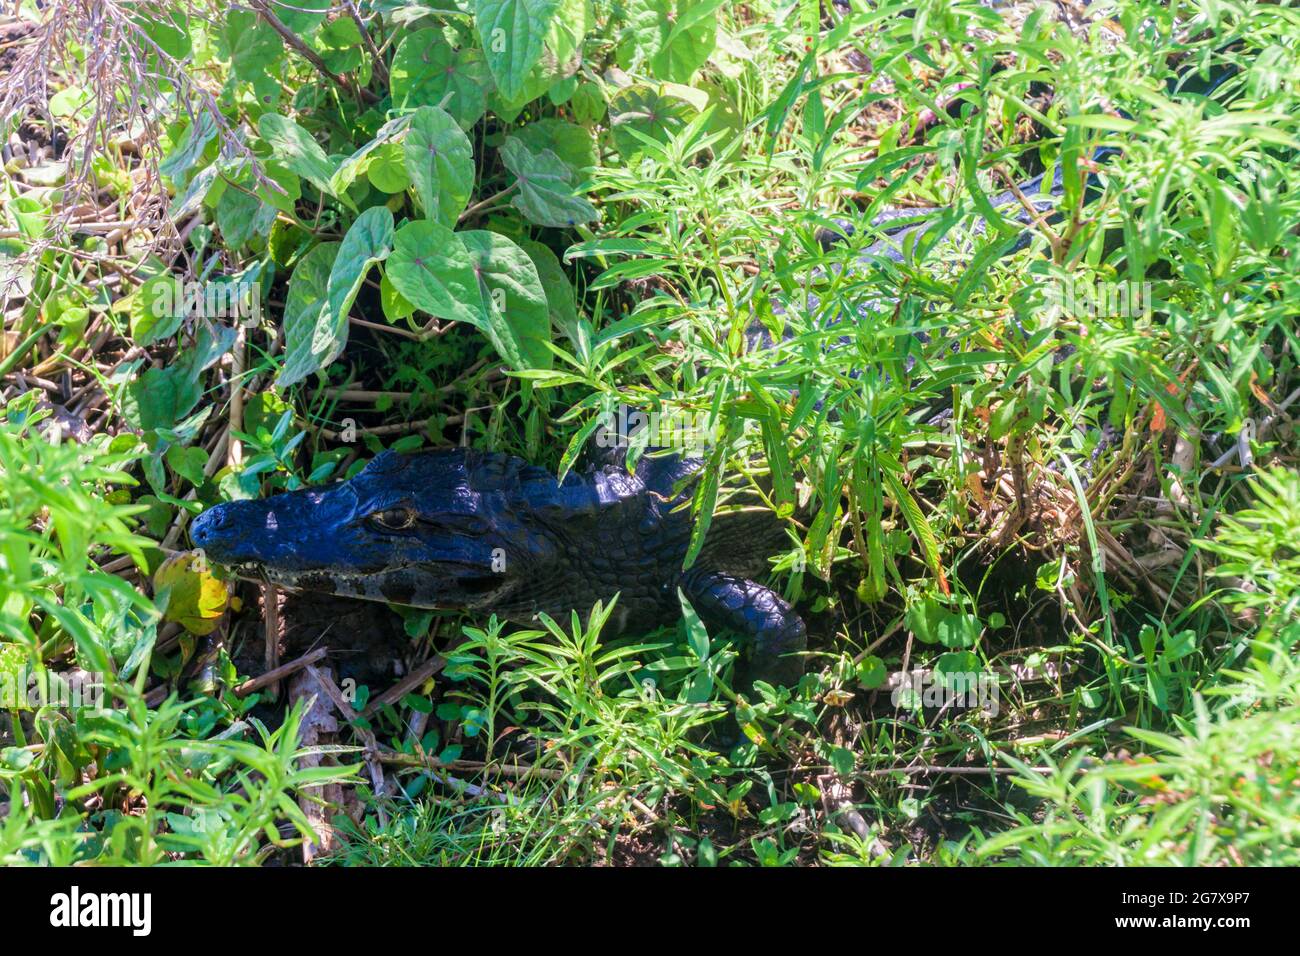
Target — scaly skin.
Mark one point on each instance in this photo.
(481, 531)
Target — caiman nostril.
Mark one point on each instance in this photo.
(213, 521)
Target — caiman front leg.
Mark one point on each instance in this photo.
(775, 629)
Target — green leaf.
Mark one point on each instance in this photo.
(287, 180)
(13, 674)
(673, 37)
(871, 672)
(697, 635)
(303, 16)
(932, 623)
(241, 215)
(311, 348)
(427, 71)
(546, 195)
(559, 291)
(369, 240)
(190, 200)
(387, 169)
(573, 144)
(514, 303)
(170, 30)
(157, 309)
(162, 396)
(254, 44)
(841, 760)
(188, 148)
(433, 269)
(648, 111)
(187, 462)
(294, 147)
(955, 670)
(512, 33)
(340, 46)
(308, 335)
(440, 164)
(394, 304)
(352, 167)
(916, 520)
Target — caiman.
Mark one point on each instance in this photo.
(483, 531)
(487, 532)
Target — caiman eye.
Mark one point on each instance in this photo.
(394, 519)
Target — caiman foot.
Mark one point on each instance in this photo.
(776, 631)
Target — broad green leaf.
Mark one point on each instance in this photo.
(189, 148)
(512, 33)
(573, 144)
(559, 291)
(162, 396)
(650, 111)
(293, 146)
(303, 16)
(241, 215)
(958, 671)
(932, 623)
(254, 45)
(340, 47)
(427, 71)
(433, 270)
(560, 59)
(352, 167)
(514, 303)
(871, 672)
(308, 336)
(387, 169)
(287, 180)
(440, 164)
(170, 30)
(587, 103)
(368, 241)
(394, 304)
(546, 195)
(157, 309)
(187, 462)
(673, 37)
(190, 200)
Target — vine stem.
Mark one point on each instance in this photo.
(483, 204)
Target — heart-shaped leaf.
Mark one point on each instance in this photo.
(512, 32)
(440, 164)
(673, 37)
(293, 146)
(308, 336)
(428, 71)
(431, 267)
(546, 195)
(514, 302)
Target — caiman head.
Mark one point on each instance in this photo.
(449, 529)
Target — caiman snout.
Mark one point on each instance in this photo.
(227, 532)
(295, 531)
(209, 526)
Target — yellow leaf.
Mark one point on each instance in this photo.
(189, 593)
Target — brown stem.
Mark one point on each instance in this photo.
(307, 53)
